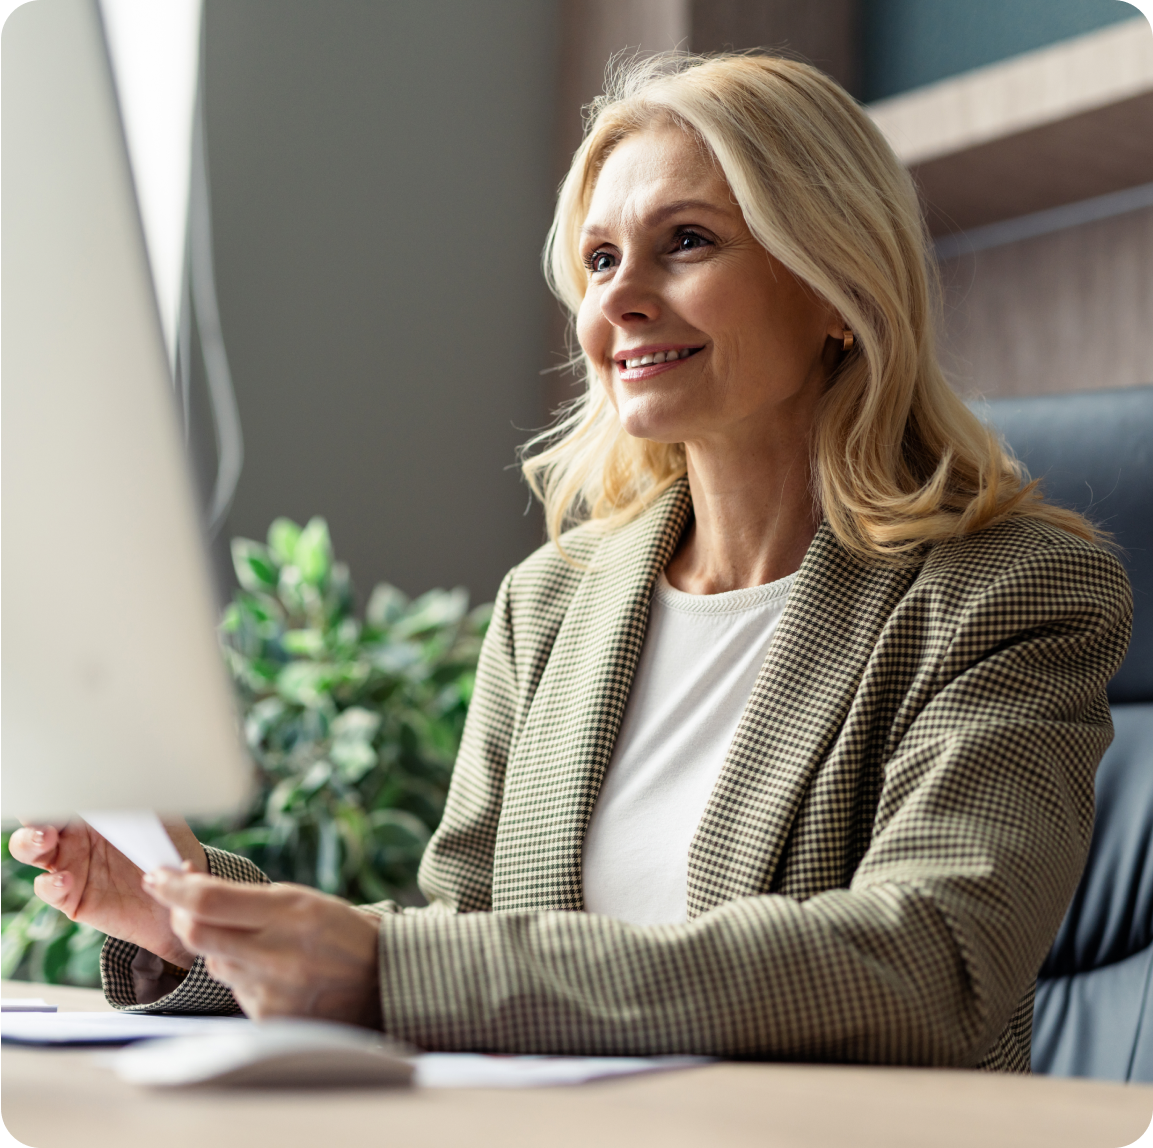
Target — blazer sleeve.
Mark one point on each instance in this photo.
(125, 969)
(983, 824)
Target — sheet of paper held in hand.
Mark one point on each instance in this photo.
(138, 834)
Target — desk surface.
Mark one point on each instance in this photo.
(65, 1098)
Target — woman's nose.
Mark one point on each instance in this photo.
(631, 297)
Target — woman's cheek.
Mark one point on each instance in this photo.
(592, 330)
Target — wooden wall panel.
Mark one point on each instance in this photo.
(1068, 311)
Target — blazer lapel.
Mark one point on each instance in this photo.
(836, 610)
(558, 761)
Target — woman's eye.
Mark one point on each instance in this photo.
(599, 261)
(690, 241)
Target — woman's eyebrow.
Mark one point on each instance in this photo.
(659, 214)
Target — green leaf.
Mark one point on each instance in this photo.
(385, 605)
(303, 643)
(353, 758)
(313, 553)
(316, 777)
(283, 535)
(465, 684)
(356, 724)
(432, 611)
(396, 657)
(306, 683)
(255, 568)
(281, 797)
(231, 620)
(261, 718)
(338, 596)
(348, 633)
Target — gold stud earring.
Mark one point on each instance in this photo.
(848, 339)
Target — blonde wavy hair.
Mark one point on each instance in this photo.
(898, 459)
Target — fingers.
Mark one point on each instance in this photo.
(284, 951)
(213, 901)
(243, 946)
(35, 845)
(225, 971)
(57, 890)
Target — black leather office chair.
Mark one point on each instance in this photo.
(1094, 1014)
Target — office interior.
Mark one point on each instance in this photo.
(382, 176)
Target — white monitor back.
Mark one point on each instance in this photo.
(114, 690)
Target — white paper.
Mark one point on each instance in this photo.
(478, 1070)
(433, 1069)
(104, 1027)
(25, 1004)
(139, 835)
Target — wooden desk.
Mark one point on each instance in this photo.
(66, 1099)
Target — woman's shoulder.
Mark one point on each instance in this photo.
(1024, 552)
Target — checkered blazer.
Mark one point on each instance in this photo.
(899, 825)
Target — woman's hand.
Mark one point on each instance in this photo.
(284, 950)
(90, 881)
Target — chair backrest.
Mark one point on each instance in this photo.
(1093, 452)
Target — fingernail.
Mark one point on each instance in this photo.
(38, 836)
(58, 881)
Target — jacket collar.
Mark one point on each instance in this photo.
(558, 761)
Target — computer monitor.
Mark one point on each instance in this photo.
(114, 688)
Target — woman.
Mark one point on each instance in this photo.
(784, 745)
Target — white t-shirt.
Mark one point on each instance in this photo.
(701, 657)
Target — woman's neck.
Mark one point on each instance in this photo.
(754, 518)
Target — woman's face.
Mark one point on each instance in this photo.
(699, 334)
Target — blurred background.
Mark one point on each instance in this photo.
(382, 175)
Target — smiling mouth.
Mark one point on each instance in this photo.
(657, 357)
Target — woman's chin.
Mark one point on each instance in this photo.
(641, 420)
(653, 434)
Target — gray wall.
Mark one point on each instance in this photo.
(381, 180)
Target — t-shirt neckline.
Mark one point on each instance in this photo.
(728, 602)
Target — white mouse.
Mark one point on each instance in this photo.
(274, 1053)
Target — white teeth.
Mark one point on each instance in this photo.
(657, 357)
